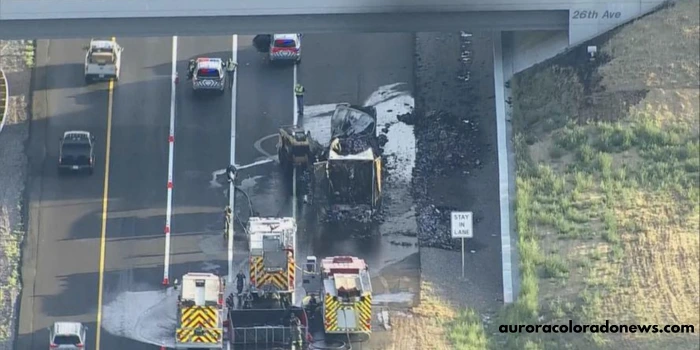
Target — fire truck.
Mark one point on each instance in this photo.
(264, 311)
(342, 284)
(201, 312)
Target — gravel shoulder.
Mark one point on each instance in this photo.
(13, 170)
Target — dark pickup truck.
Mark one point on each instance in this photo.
(76, 152)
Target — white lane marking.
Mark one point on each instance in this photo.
(231, 196)
(294, 172)
(258, 146)
(171, 151)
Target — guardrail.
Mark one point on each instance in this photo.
(4, 98)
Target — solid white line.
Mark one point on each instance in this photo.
(171, 151)
(296, 121)
(232, 160)
(504, 183)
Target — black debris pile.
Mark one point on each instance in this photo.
(447, 134)
(445, 150)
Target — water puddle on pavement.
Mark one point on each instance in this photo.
(148, 317)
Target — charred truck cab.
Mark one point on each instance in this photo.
(349, 180)
(263, 317)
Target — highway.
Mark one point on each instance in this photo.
(62, 261)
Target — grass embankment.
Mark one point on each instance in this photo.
(29, 52)
(9, 254)
(608, 199)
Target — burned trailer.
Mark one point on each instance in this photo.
(347, 182)
(255, 328)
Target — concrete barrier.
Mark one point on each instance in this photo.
(4, 98)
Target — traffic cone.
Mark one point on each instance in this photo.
(165, 281)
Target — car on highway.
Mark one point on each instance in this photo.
(76, 152)
(279, 47)
(207, 74)
(285, 47)
(102, 60)
(67, 336)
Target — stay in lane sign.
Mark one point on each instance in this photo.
(462, 224)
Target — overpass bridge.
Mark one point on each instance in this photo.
(54, 19)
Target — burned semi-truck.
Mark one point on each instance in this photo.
(348, 176)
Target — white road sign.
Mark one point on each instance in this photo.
(462, 224)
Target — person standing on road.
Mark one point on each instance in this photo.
(230, 68)
(295, 324)
(240, 283)
(299, 94)
(190, 69)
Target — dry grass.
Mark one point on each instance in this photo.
(608, 198)
(660, 51)
(423, 327)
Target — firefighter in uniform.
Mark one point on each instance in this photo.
(240, 282)
(299, 94)
(295, 324)
(230, 68)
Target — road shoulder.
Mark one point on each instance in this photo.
(13, 169)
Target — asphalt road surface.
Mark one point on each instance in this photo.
(62, 252)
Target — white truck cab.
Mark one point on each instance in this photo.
(102, 60)
(285, 47)
(67, 336)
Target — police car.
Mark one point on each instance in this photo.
(208, 74)
(285, 47)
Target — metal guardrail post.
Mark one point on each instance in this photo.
(4, 98)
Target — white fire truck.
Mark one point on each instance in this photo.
(201, 312)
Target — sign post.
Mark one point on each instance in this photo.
(462, 228)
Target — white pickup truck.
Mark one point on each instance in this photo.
(102, 60)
